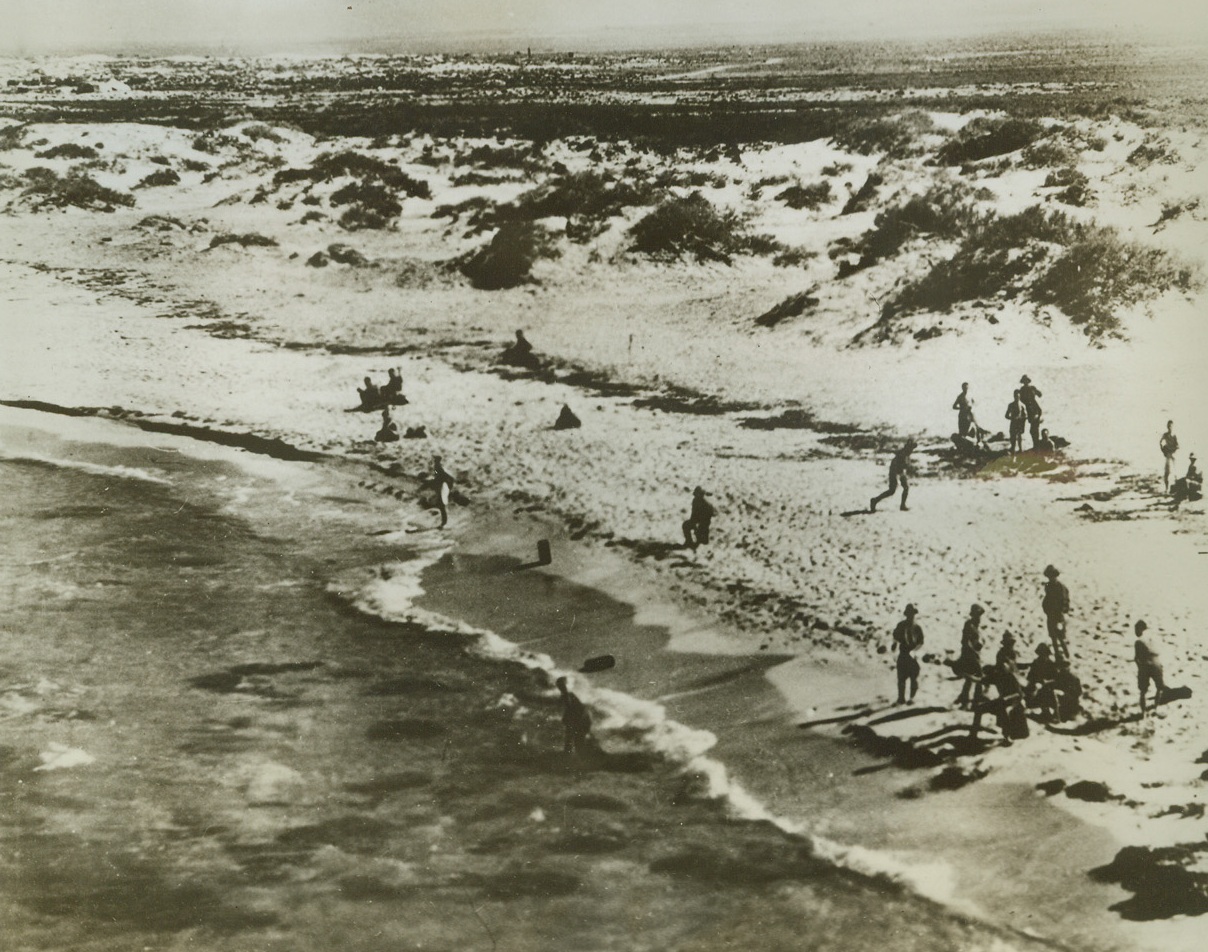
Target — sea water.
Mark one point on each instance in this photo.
(228, 721)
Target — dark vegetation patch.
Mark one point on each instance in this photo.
(895, 136)
(372, 200)
(48, 189)
(506, 261)
(811, 197)
(158, 178)
(793, 306)
(11, 137)
(861, 198)
(985, 137)
(796, 419)
(68, 150)
(944, 211)
(517, 156)
(1086, 270)
(744, 863)
(247, 240)
(692, 227)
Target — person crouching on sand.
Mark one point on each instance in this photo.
(576, 722)
(696, 526)
(899, 467)
(907, 638)
(389, 429)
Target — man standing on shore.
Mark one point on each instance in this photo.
(907, 638)
(576, 722)
(1029, 396)
(442, 482)
(964, 412)
(1169, 445)
(898, 469)
(696, 526)
(1017, 417)
(1056, 603)
(1149, 667)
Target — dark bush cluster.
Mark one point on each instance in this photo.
(368, 168)
(493, 157)
(985, 137)
(693, 227)
(68, 150)
(507, 259)
(48, 189)
(1086, 270)
(895, 136)
(810, 197)
(944, 211)
(249, 240)
(158, 178)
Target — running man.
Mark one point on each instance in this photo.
(898, 469)
(907, 638)
(1168, 443)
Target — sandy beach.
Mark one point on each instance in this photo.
(768, 650)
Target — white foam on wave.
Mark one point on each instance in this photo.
(94, 469)
(391, 595)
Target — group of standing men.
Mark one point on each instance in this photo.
(1023, 412)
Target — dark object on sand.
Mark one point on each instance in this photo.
(544, 555)
(974, 450)
(387, 434)
(1189, 488)
(416, 433)
(576, 721)
(599, 663)
(567, 419)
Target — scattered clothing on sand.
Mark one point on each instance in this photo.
(1168, 443)
(696, 526)
(1149, 665)
(567, 419)
(388, 433)
(907, 638)
(576, 721)
(1056, 604)
(442, 482)
(899, 468)
(969, 664)
(416, 433)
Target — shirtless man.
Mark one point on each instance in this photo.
(1168, 443)
(1028, 395)
(907, 638)
(898, 468)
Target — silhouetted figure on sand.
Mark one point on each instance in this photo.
(1042, 676)
(907, 638)
(1149, 665)
(576, 721)
(1168, 443)
(520, 353)
(963, 406)
(1029, 395)
(969, 664)
(388, 433)
(1017, 417)
(1056, 605)
(696, 526)
(1189, 488)
(899, 468)
(371, 396)
(1067, 693)
(567, 419)
(442, 482)
(1045, 444)
(1006, 706)
(392, 389)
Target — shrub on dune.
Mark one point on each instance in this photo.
(159, 178)
(944, 211)
(249, 240)
(49, 189)
(984, 137)
(68, 150)
(810, 197)
(506, 261)
(693, 227)
(895, 136)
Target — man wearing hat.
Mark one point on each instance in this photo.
(1191, 486)
(907, 637)
(1056, 603)
(1028, 396)
(898, 468)
(969, 664)
(1149, 667)
(696, 526)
